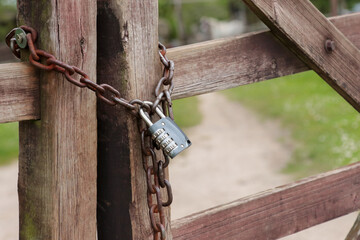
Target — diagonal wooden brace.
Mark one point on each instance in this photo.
(302, 28)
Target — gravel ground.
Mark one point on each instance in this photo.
(234, 154)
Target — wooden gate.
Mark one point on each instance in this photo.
(70, 190)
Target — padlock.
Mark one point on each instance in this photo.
(166, 133)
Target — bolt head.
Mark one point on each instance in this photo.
(20, 37)
(329, 45)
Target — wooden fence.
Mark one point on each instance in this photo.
(80, 169)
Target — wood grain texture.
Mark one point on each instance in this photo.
(225, 63)
(57, 162)
(278, 212)
(128, 59)
(303, 29)
(19, 93)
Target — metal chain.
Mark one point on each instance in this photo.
(108, 94)
(153, 167)
(155, 178)
(165, 84)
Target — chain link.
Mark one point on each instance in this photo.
(46, 61)
(153, 167)
(155, 178)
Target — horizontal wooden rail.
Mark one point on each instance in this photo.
(200, 68)
(225, 63)
(279, 212)
(19, 92)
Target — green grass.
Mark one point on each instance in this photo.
(9, 142)
(186, 112)
(326, 129)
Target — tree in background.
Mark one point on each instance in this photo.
(194, 10)
(7, 17)
(191, 13)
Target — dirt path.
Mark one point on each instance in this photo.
(225, 163)
(9, 202)
(234, 154)
(222, 165)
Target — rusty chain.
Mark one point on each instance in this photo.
(154, 168)
(155, 176)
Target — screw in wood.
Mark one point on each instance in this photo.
(329, 45)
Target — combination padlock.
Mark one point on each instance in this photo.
(166, 133)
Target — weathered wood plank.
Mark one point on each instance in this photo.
(128, 59)
(19, 92)
(225, 63)
(303, 29)
(279, 212)
(57, 162)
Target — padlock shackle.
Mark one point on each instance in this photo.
(157, 109)
(146, 118)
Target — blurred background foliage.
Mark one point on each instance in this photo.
(9, 142)
(7, 17)
(182, 18)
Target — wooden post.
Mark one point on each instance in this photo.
(57, 162)
(334, 7)
(128, 59)
(179, 20)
